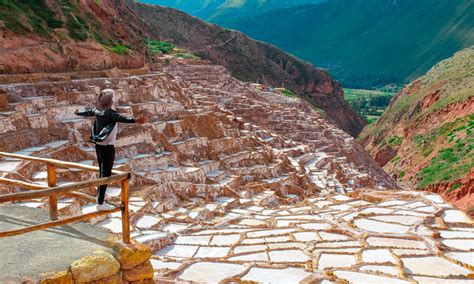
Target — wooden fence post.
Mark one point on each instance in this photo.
(53, 199)
(125, 216)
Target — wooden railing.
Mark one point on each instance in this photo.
(52, 191)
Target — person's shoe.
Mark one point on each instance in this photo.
(105, 207)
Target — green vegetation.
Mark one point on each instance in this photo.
(119, 49)
(160, 47)
(186, 55)
(368, 103)
(39, 16)
(453, 187)
(452, 162)
(396, 159)
(395, 140)
(288, 93)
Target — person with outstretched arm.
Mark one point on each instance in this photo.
(104, 135)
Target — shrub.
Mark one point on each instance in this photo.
(119, 49)
(158, 47)
(288, 93)
(395, 140)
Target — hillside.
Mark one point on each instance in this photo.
(218, 11)
(71, 35)
(426, 137)
(366, 43)
(253, 61)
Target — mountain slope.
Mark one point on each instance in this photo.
(218, 11)
(250, 60)
(68, 35)
(72, 35)
(366, 43)
(426, 136)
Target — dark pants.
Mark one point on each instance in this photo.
(105, 158)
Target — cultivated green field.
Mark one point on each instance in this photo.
(369, 103)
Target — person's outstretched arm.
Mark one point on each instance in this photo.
(86, 112)
(117, 117)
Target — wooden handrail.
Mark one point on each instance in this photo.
(34, 186)
(61, 164)
(52, 191)
(62, 188)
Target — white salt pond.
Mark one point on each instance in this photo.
(380, 227)
(336, 260)
(250, 248)
(179, 251)
(460, 244)
(379, 268)
(287, 256)
(224, 240)
(283, 276)
(210, 272)
(464, 257)
(261, 256)
(377, 256)
(363, 278)
(158, 264)
(147, 221)
(193, 240)
(455, 216)
(112, 224)
(433, 266)
(212, 252)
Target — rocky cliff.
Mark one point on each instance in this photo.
(425, 137)
(97, 35)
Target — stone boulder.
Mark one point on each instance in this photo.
(140, 272)
(94, 267)
(131, 255)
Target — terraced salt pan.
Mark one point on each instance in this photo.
(404, 220)
(333, 237)
(225, 240)
(380, 227)
(456, 234)
(113, 191)
(265, 233)
(336, 260)
(306, 236)
(112, 224)
(213, 252)
(315, 226)
(210, 272)
(337, 244)
(395, 243)
(379, 268)
(455, 216)
(261, 256)
(179, 251)
(286, 245)
(432, 280)
(287, 256)
(433, 266)
(283, 276)
(377, 256)
(464, 257)
(158, 264)
(193, 240)
(147, 221)
(363, 278)
(250, 248)
(460, 244)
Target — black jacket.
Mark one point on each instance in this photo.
(104, 122)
